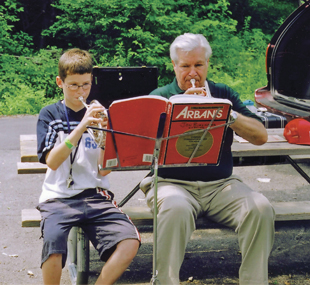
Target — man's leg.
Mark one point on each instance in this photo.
(118, 262)
(252, 216)
(51, 269)
(177, 211)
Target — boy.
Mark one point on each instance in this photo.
(75, 191)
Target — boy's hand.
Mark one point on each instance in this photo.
(94, 116)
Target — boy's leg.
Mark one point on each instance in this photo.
(112, 233)
(118, 262)
(51, 269)
(57, 220)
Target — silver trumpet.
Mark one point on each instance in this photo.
(206, 88)
(97, 135)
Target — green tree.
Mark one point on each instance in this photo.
(140, 32)
(27, 77)
(14, 43)
(266, 15)
(129, 33)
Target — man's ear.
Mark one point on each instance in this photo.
(174, 65)
(59, 82)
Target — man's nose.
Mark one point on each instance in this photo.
(192, 71)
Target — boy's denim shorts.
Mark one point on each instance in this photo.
(95, 212)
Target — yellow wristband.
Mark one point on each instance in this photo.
(69, 144)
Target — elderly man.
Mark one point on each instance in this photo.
(185, 193)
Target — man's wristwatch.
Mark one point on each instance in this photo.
(233, 117)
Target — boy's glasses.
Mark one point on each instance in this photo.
(75, 87)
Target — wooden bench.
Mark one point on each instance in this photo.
(78, 243)
(28, 156)
(285, 211)
(139, 216)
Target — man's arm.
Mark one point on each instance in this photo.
(250, 129)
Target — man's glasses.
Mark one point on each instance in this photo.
(75, 87)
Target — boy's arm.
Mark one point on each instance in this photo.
(101, 155)
(57, 155)
(100, 160)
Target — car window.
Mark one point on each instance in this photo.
(290, 59)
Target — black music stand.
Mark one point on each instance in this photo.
(154, 170)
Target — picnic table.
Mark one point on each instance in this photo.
(276, 146)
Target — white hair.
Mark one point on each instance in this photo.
(188, 42)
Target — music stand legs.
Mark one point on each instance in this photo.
(154, 279)
(162, 119)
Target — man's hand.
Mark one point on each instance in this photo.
(196, 91)
(250, 129)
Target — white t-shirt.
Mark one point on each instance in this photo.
(52, 129)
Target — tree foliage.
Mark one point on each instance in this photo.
(266, 15)
(129, 33)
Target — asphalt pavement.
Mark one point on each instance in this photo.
(212, 256)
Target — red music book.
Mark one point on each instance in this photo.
(193, 132)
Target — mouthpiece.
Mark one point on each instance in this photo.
(193, 82)
(84, 103)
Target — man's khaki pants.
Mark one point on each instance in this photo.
(227, 201)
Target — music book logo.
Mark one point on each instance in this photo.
(198, 113)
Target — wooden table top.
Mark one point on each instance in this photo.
(270, 148)
(28, 147)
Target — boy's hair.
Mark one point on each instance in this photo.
(74, 61)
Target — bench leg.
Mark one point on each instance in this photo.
(78, 256)
(82, 257)
(72, 254)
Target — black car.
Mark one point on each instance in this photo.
(288, 68)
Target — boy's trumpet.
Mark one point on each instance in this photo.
(97, 135)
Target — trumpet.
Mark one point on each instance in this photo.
(97, 135)
(206, 88)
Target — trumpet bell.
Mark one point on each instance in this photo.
(97, 135)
